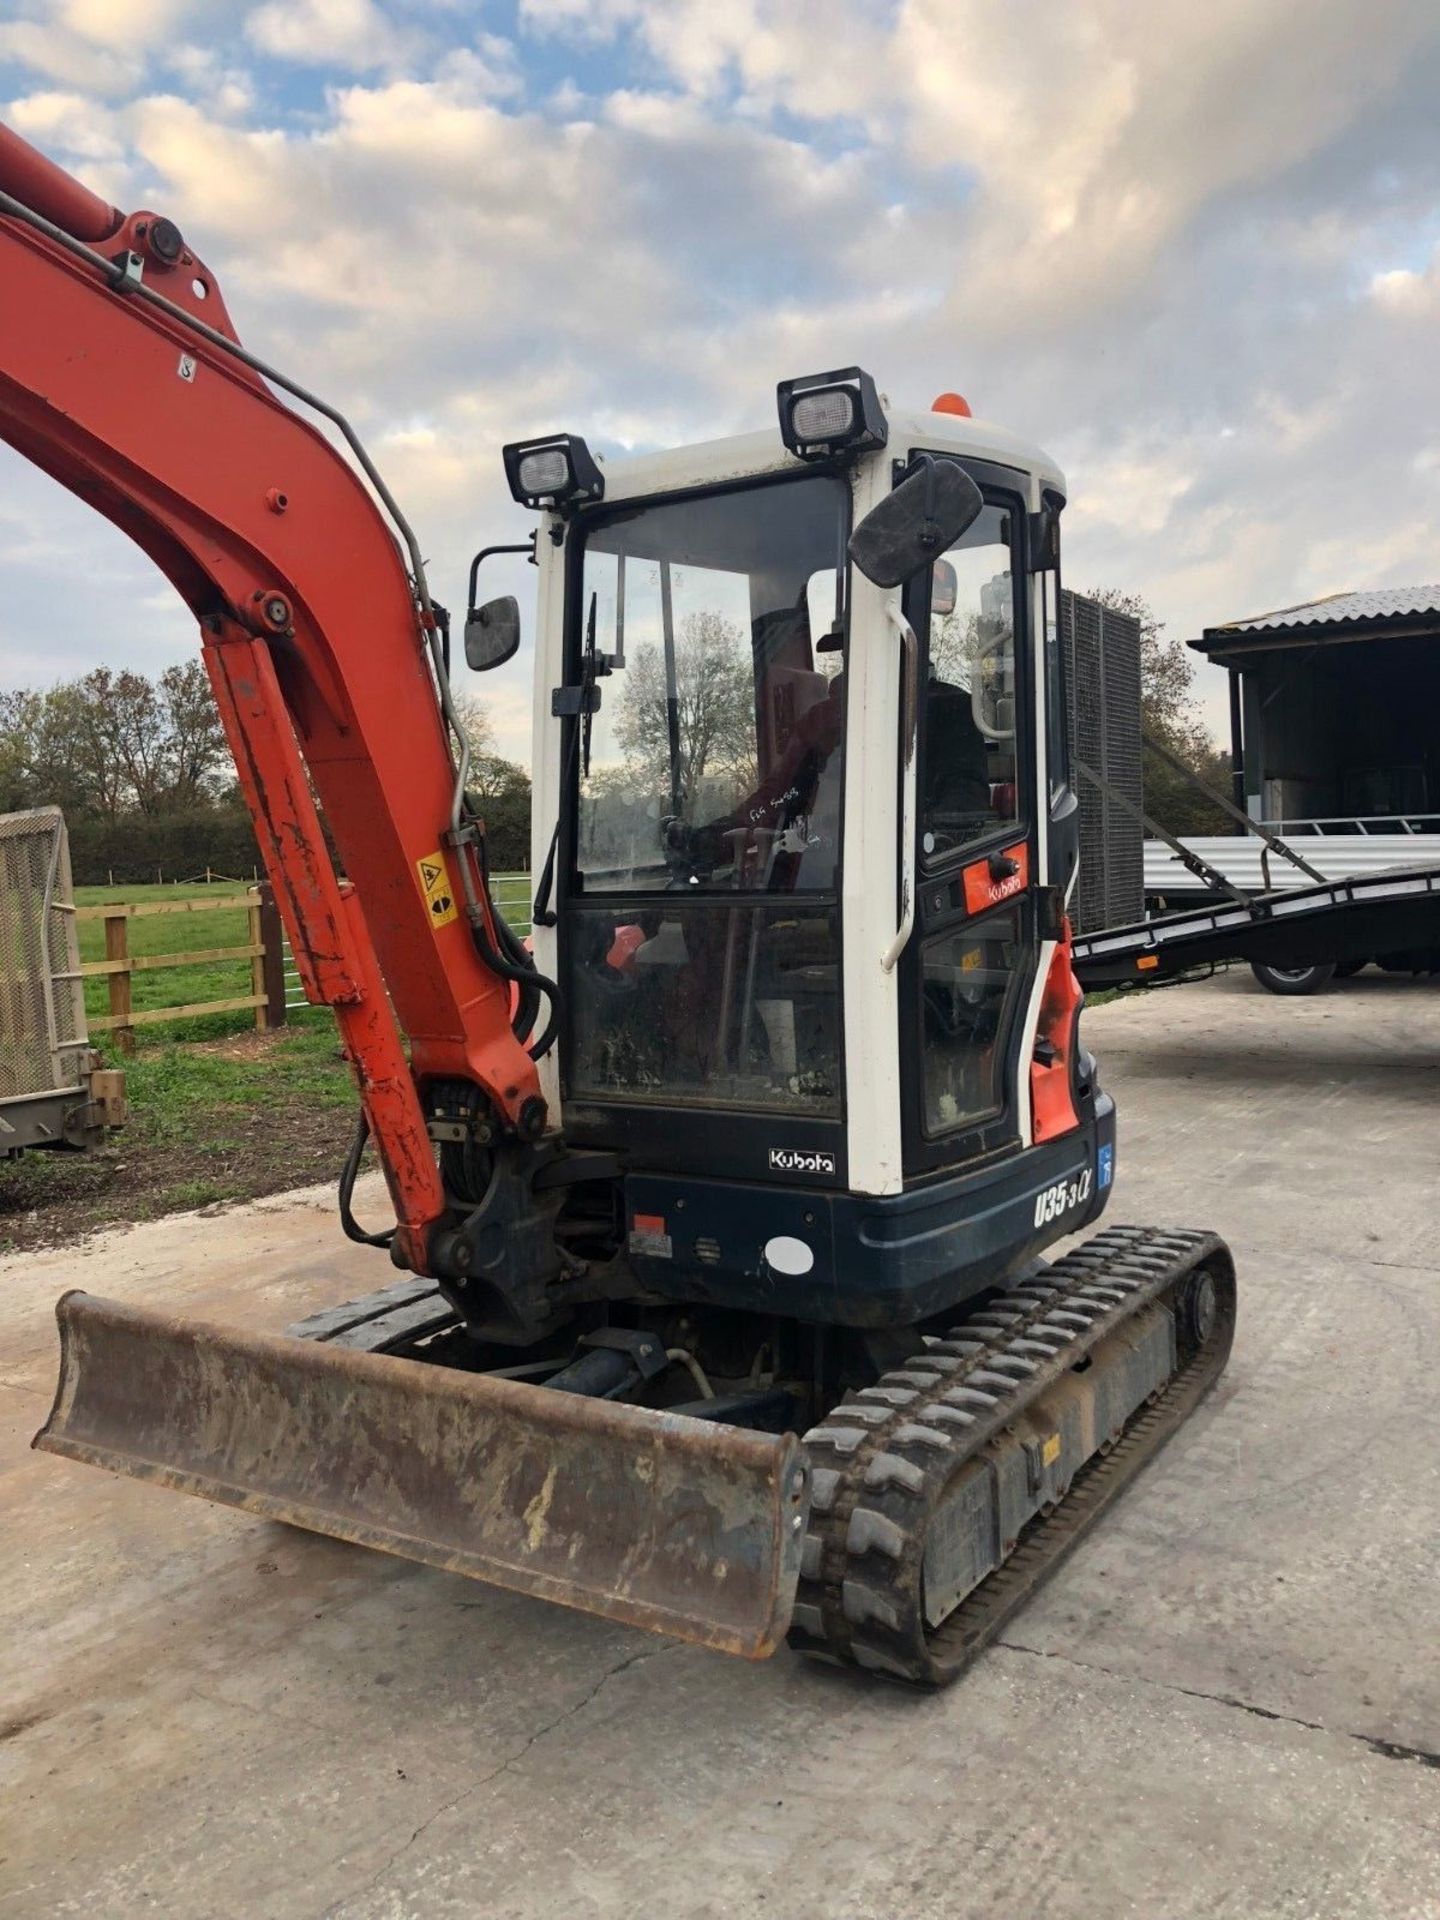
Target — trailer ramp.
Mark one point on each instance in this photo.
(1395, 912)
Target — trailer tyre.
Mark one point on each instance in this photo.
(1293, 980)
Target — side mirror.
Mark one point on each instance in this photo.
(1045, 532)
(492, 633)
(913, 526)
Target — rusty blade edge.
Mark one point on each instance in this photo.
(772, 1461)
(493, 1571)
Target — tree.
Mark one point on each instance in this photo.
(113, 742)
(955, 646)
(473, 716)
(42, 759)
(142, 771)
(715, 713)
(492, 776)
(196, 748)
(138, 766)
(1168, 714)
(499, 788)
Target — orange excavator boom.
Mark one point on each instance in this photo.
(122, 375)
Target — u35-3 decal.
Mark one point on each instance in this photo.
(1063, 1197)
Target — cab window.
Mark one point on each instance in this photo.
(968, 772)
(714, 759)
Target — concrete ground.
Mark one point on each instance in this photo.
(1226, 1704)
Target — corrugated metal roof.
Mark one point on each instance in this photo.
(1335, 609)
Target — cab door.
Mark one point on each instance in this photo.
(968, 971)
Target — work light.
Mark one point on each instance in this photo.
(552, 471)
(822, 414)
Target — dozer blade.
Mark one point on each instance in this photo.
(687, 1527)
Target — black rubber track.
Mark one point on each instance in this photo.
(884, 1460)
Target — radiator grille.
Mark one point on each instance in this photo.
(1102, 672)
(42, 1001)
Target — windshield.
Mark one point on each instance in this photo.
(714, 759)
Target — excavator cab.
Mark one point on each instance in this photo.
(767, 1135)
(812, 848)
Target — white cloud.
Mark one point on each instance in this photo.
(67, 58)
(67, 122)
(593, 19)
(223, 87)
(100, 47)
(345, 33)
(1189, 249)
(125, 25)
(1406, 293)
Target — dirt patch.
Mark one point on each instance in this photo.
(228, 1157)
(235, 1046)
(211, 1124)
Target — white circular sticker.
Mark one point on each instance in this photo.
(788, 1255)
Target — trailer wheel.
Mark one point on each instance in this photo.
(1293, 980)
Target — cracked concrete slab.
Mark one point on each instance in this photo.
(1226, 1704)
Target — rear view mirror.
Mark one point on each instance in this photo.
(913, 526)
(492, 633)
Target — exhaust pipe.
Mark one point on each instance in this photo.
(686, 1527)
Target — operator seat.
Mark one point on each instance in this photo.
(955, 764)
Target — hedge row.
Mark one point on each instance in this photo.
(140, 849)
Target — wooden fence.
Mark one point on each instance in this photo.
(275, 990)
(264, 949)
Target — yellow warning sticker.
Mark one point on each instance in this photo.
(1050, 1452)
(435, 885)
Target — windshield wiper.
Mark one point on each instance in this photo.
(590, 668)
(579, 703)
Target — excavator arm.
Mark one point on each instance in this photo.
(121, 375)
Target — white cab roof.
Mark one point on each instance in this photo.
(745, 455)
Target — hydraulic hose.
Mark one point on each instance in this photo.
(348, 1173)
(512, 949)
(515, 964)
(523, 977)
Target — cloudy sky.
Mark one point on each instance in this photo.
(1192, 246)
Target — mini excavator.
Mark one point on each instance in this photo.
(766, 1129)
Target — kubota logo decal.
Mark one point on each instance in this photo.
(799, 1160)
(998, 877)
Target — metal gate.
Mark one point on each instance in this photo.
(44, 1047)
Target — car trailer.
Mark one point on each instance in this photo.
(1295, 939)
